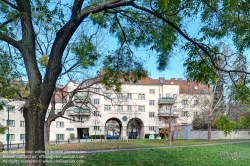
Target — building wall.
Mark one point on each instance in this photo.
(149, 125)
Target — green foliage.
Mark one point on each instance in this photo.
(96, 136)
(72, 136)
(147, 136)
(3, 129)
(43, 60)
(86, 52)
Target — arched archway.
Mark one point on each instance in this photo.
(135, 128)
(113, 126)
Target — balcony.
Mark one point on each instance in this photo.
(82, 99)
(80, 111)
(167, 101)
(162, 112)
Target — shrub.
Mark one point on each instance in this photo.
(96, 136)
(72, 136)
(147, 136)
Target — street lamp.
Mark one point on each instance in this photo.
(8, 125)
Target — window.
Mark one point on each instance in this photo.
(195, 113)
(129, 107)
(97, 90)
(72, 119)
(10, 108)
(151, 91)
(195, 102)
(184, 113)
(96, 101)
(22, 137)
(107, 107)
(152, 128)
(58, 111)
(96, 128)
(119, 107)
(108, 95)
(47, 113)
(22, 123)
(151, 114)
(129, 95)
(174, 96)
(141, 108)
(168, 95)
(141, 96)
(97, 113)
(11, 137)
(168, 108)
(151, 102)
(59, 124)
(80, 118)
(60, 136)
(119, 95)
(10, 123)
(174, 108)
(184, 123)
(184, 102)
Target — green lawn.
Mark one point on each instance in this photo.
(139, 143)
(224, 155)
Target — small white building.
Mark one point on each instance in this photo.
(139, 109)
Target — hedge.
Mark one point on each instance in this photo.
(96, 136)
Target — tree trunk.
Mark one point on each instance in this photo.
(209, 128)
(34, 117)
(47, 125)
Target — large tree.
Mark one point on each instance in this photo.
(155, 25)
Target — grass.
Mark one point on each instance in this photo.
(206, 155)
(219, 155)
(139, 143)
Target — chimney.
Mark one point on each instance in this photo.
(179, 79)
(173, 79)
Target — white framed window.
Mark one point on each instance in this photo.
(58, 111)
(60, 136)
(168, 95)
(22, 137)
(96, 128)
(175, 96)
(59, 124)
(107, 95)
(72, 120)
(10, 123)
(141, 96)
(97, 113)
(195, 102)
(107, 107)
(196, 113)
(151, 91)
(151, 102)
(184, 113)
(152, 128)
(141, 108)
(168, 108)
(97, 90)
(10, 108)
(120, 108)
(80, 118)
(184, 102)
(151, 114)
(22, 123)
(96, 101)
(11, 137)
(129, 107)
(119, 95)
(129, 95)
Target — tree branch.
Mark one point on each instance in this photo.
(10, 4)
(9, 40)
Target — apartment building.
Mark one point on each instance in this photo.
(138, 109)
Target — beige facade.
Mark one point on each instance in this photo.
(138, 109)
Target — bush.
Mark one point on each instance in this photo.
(72, 136)
(96, 136)
(147, 136)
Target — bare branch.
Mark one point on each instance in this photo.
(10, 4)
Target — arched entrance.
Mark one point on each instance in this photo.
(135, 128)
(113, 126)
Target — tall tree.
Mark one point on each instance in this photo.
(155, 25)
